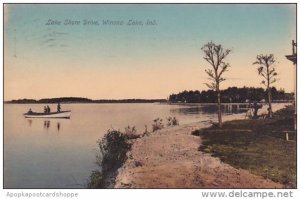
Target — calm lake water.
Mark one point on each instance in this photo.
(61, 153)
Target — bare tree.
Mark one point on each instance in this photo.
(215, 54)
(267, 71)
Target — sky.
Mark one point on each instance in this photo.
(152, 60)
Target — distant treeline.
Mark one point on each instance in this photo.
(230, 95)
(81, 100)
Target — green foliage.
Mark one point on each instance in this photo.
(157, 124)
(266, 69)
(231, 94)
(172, 121)
(146, 132)
(215, 54)
(131, 132)
(96, 180)
(113, 148)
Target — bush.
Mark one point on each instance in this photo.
(113, 148)
(158, 124)
(172, 121)
(96, 180)
(146, 132)
(131, 132)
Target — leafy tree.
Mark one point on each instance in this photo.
(230, 95)
(266, 69)
(214, 54)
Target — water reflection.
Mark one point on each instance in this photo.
(58, 126)
(46, 124)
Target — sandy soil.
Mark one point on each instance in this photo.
(169, 158)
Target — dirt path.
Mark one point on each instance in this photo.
(169, 158)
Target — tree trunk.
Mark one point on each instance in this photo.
(270, 103)
(219, 107)
(269, 92)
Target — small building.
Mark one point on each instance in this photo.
(293, 57)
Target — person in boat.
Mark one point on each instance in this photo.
(58, 107)
(30, 111)
(48, 109)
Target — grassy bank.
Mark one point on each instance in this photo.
(259, 146)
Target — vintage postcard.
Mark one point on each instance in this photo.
(150, 96)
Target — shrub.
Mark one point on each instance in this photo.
(131, 132)
(112, 155)
(172, 121)
(96, 180)
(113, 147)
(146, 132)
(157, 124)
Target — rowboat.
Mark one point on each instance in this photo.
(61, 114)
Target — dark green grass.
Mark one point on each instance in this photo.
(256, 145)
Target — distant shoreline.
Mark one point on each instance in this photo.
(79, 100)
(142, 102)
(91, 103)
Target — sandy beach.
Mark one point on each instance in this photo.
(169, 158)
